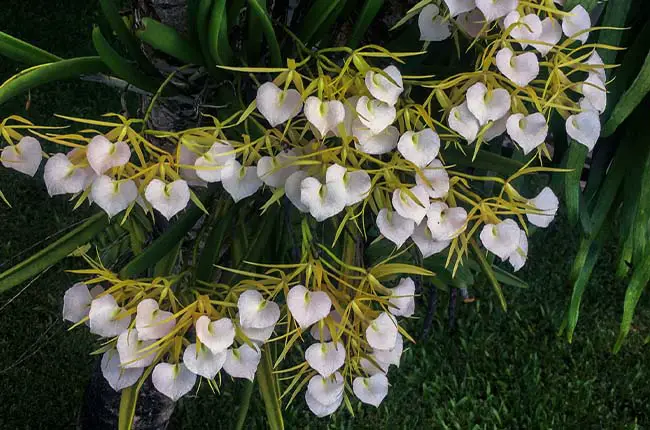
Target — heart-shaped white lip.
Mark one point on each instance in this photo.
(446, 223)
(324, 115)
(320, 409)
(501, 239)
(391, 356)
(527, 131)
(102, 154)
(308, 307)
(24, 157)
(403, 298)
(593, 89)
(242, 362)
(427, 245)
(576, 22)
(394, 227)
(371, 390)
(239, 181)
(216, 335)
(151, 322)
(117, 376)
(292, 189)
(463, 122)
(472, 22)
(276, 105)
(551, 35)
(456, 7)
(520, 69)
(326, 390)
(107, 318)
(173, 380)
(420, 148)
(209, 165)
(519, 256)
(382, 332)
(527, 28)
(375, 114)
(274, 171)
(495, 9)
(322, 200)
(168, 199)
(76, 302)
(113, 196)
(409, 208)
(133, 351)
(434, 178)
(584, 128)
(598, 66)
(187, 157)
(382, 88)
(325, 358)
(547, 203)
(374, 144)
(255, 312)
(62, 177)
(202, 361)
(487, 105)
(352, 187)
(433, 27)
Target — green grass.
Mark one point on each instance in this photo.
(495, 371)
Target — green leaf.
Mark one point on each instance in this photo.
(165, 39)
(51, 72)
(575, 158)
(202, 20)
(638, 282)
(267, 27)
(484, 160)
(316, 17)
(23, 52)
(587, 4)
(53, 253)
(244, 404)
(368, 14)
(218, 43)
(128, 401)
(221, 224)
(486, 267)
(267, 383)
(615, 16)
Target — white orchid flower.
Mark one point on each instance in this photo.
(526, 28)
(550, 36)
(409, 208)
(352, 187)
(446, 223)
(374, 144)
(102, 154)
(255, 311)
(209, 166)
(112, 195)
(202, 361)
(188, 157)
(456, 7)
(240, 181)
(242, 362)
(518, 257)
(382, 88)
(168, 199)
(495, 9)
(63, 177)
(434, 179)
(173, 380)
(107, 318)
(433, 27)
(420, 148)
(463, 122)
(324, 115)
(76, 301)
(425, 242)
(278, 106)
(375, 114)
(471, 22)
(292, 189)
(258, 335)
(319, 409)
(487, 105)
(117, 376)
(546, 202)
(394, 227)
(501, 239)
(308, 307)
(594, 91)
(527, 131)
(371, 390)
(386, 358)
(274, 171)
(381, 333)
(402, 298)
(326, 390)
(584, 128)
(576, 22)
(133, 351)
(24, 157)
(520, 69)
(495, 129)
(322, 200)
(151, 322)
(217, 335)
(349, 105)
(321, 330)
(598, 66)
(325, 357)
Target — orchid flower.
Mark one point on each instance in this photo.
(168, 199)
(374, 143)
(274, 171)
(321, 331)
(518, 257)
(548, 203)
(308, 307)
(420, 148)
(134, 351)
(278, 106)
(433, 27)
(375, 114)
(434, 179)
(520, 69)
(319, 409)
(382, 332)
(322, 200)
(63, 177)
(576, 22)
(173, 380)
(151, 322)
(117, 376)
(425, 242)
(325, 116)
(446, 223)
(487, 105)
(456, 7)
(527, 131)
(102, 154)
(463, 122)
(240, 181)
(501, 239)
(256, 312)
(549, 37)
(382, 88)
(326, 390)
(394, 227)
(409, 208)
(24, 157)
(293, 189)
(527, 27)
(584, 127)
(216, 335)
(77, 300)
(113, 195)
(495, 9)
(326, 357)
(209, 165)
(202, 361)
(403, 298)
(371, 390)
(107, 318)
(242, 362)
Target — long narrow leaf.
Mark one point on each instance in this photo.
(269, 33)
(368, 13)
(169, 41)
(638, 282)
(23, 52)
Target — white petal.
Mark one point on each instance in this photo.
(375, 114)
(520, 69)
(495, 129)
(382, 88)
(277, 106)
(373, 368)
(325, 358)
(133, 351)
(419, 148)
(188, 157)
(391, 356)
(107, 319)
(240, 182)
(113, 196)
(319, 409)
(528, 27)
(371, 390)
(76, 302)
(403, 298)
(394, 227)
(292, 189)
(527, 131)
(456, 7)
(409, 208)
(203, 362)
(173, 380)
(323, 202)
(471, 22)
(518, 257)
(584, 128)
(501, 239)
(494, 9)
(425, 242)
(168, 199)
(551, 35)
(274, 171)
(446, 223)
(382, 332)
(548, 203)
(242, 362)
(209, 165)
(116, 376)
(433, 27)
(256, 312)
(151, 322)
(463, 122)
(325, 116)
(594, 90)
(435, 181)
(62, 177)
(308, 307)
(598, 65)
(102, 154)
(321, 330)
(216, 335)
(374, 144)
(487, 105)
(326, 390)
(24, 157)
(258, 335)
(578, 21)
(352, 187)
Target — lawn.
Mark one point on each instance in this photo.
(495, 370)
